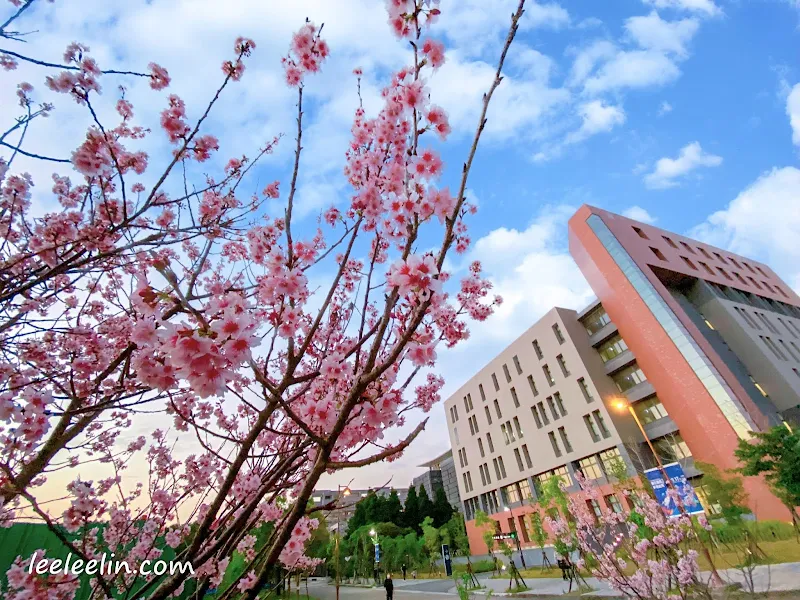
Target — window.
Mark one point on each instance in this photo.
(453, 418)
(748, 267)
(547, 375)
(767, 322)
(502, 466)
(494, 381)
(496, 468)
(466, 404)
(659, 254)
(535, 412)
(688, 248)
(532, 385)
(706, 254)
(518, 427)
(488, 414)
(785, 326)
(724, 273)
(739, 278)
(554, 443)
(552, 406)
(720, 259)
(511, 493)
(564, 439)
(590, 467)
(560, 404)
(489, 441)
(483, 394)
(561, 473)
(562, 363)
(760, 270)
(771, 345)
(614, 346)
(510, 431)
(527, 456)
(613, 503)
(596, 320)
(585, 390)
(514, 397)
(670, 242)
(558, 334)
(788, 350)
(641, 233)
(734, 263)
(466, 485)
(543, 414)
(769, 288)
(609, 459)
(629, 377)
(474, 422)
(672, 447)
(594, 506)
(471, 426)
(517, 366)
(504, 431)
(587, 419)
(601, 423)
(497, 409)
(480, 447)
(754, 282)
(747, 318)
(796, 372)
(464, 452)
(506, 373)
(518, 456)
(650, 410)
(706, 267)
(689, 263)
(455, 435)
(537, 349)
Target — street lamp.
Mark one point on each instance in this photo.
(622, 404)
(340, 491)
(516, 535)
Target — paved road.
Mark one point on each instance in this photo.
(436, 589)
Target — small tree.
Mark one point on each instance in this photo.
(776, 455)
(411, 515)
(538, 533)
(433, 542)
(488, 526)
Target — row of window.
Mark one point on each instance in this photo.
(728, 262)
(756, 301)
(782, 354)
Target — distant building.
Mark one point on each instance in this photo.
(346, 503)
(441, 473)
(701, 344)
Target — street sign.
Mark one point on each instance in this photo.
(675, 472)
(448, 566)
(505, 536)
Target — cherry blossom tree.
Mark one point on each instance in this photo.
(146, 292)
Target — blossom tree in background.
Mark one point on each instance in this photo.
(641, 552)
(148, 293)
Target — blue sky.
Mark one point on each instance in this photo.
(685, 113)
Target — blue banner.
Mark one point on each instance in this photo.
(448, 565)
(675, 473)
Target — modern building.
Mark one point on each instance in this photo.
(345, 499)
(441, 473)
(703, 344)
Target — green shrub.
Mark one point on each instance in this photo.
(763, 531)
(478, 566)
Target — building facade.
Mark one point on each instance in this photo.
(441, 473)
(702, 344)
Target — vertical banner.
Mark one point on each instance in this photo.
(675, 472)
(448, 565)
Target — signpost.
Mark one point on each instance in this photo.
(448, 566)
(674, 471)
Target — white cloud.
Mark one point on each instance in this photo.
(588, 58)
(532, 63)
(704, 7)
(637, 213)
(589, 23)
(667, 170)
(474, 27)
(665, 108)
(596, 117)
(793, 111)
(651, 32)
(762, 222)
(633, 69)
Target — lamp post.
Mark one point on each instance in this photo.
(516, 535)
(340, 491)
(622, 404)
(375, 557)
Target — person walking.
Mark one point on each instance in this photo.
(389, 585)
(404, 570)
